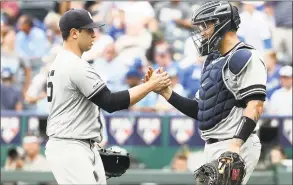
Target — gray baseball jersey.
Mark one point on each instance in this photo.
(71, 82)
(243, 84)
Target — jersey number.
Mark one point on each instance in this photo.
(50, 86)
(50, 91)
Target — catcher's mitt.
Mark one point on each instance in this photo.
(115, 162)
(229, 169)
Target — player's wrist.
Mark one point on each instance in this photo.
(166, 93)
(236, 142)
(245, 128)
(150, 85)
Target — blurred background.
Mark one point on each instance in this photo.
(165, 146)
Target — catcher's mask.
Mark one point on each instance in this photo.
(211, 22)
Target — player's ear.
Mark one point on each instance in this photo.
(74, 33)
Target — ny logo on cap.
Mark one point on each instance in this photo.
(90, 15)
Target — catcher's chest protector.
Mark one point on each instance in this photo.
(215, 100)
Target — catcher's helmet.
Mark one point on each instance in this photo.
(224, 17)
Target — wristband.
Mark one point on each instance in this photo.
(245, 128)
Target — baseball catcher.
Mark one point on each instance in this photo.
(231, 97)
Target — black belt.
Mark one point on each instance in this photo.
(89, 141)
(213, 140)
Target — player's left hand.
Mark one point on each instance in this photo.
(234, 148)
(235, 145)
(147, 77)
(229, 168)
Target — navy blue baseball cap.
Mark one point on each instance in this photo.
(133, 73)
(6, 73)
(77, 18)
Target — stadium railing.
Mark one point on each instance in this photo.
(136, 177)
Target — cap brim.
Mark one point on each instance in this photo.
(93, 25)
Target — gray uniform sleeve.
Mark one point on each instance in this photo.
(86, 80)
(253, 78)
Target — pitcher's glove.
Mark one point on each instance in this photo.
(115, 162)
(229, 169)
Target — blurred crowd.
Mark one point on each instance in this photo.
(137, 34)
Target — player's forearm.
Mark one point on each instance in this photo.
(111, 102)
(138, 92)
(187, 106)
(247, 125)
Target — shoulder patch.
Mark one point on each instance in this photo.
(239, 60)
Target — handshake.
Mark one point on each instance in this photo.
(159, 81)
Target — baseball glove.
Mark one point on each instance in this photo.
(229, 169)
(115, 162)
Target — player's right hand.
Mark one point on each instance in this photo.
(148, 74)
(164, 91)
(159, 79)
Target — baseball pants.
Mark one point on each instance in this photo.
(75, 162)
(250, 152)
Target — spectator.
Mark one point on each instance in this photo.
(10, 59)
(175, 10)
(163, 58)
(13, 160)
(38, 9)
(138, 13)
(33, 160)
(269, 15)
(53, 32)
(134, 43)
(100, 10)
(31, 42)
(111, 69)
(118, 24)
(179, 163)
(147, 104)
(273, 68)
(36, 96)
(281, 99)
(190, 53)
(10, 95)
(9, 12)
(174, 17)
(192, 74)
(192, 77)
(277, 155)
(282, 34)
(253, 29)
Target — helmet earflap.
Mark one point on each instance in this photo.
(235, 19)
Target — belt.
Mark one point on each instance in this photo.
(213, 140)
(89, 141)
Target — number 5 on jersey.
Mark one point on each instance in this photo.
(50, 86)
